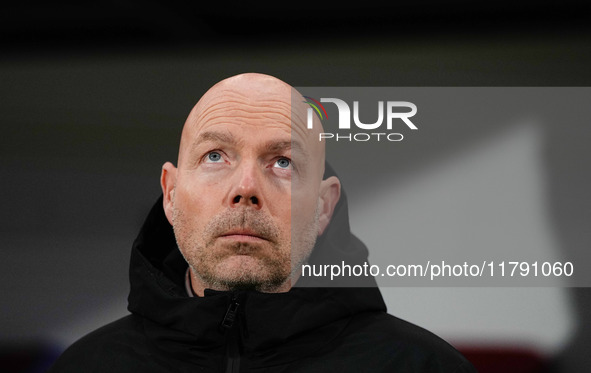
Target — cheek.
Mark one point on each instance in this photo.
(303, 204)
(303, 212)
(196, 196)
(190, 214)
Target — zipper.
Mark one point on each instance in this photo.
(232, 344)
(231, 313)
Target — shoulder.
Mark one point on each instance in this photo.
(388, 343)
(113, 347)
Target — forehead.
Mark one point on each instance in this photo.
(231, 107)
(268, 110)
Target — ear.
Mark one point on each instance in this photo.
(168, 183)
(330, 192)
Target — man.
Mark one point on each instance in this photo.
(214, 267)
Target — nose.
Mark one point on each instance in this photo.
(247, 190)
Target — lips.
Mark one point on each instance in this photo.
(242, 234)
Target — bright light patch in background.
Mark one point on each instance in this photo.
(487, 198)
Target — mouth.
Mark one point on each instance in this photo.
(243, 235)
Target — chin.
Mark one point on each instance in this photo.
(240, 263)
(239, 272)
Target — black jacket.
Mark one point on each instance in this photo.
(308, 329)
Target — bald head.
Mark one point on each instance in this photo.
(249, 95)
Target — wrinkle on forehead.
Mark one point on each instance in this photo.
(276, 110)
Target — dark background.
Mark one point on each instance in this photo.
(94, 97)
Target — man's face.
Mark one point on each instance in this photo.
(245, 201)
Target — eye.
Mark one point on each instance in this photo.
(283, 163)
(213, 157)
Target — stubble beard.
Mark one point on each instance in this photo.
(265, 267)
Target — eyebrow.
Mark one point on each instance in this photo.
(279, 146)
(216, 137)
(273, 146)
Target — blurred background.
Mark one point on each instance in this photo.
(94, 98)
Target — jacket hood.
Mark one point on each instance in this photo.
(278, 327)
